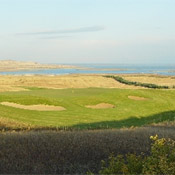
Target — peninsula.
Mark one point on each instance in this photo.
(12, 65)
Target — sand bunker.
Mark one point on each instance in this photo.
(137, 98)
(34, 107)
(100, 106)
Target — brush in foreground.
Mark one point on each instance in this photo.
(71, 152)
(161, 160)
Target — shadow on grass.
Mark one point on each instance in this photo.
(132, 121)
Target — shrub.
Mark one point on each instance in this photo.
(131, 164)
(147, 85)
(160, 161)
(162, 158)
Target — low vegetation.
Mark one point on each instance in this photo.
(72, 152)
(146, 85)
(161, 160)
(19, 82)
(161, 80)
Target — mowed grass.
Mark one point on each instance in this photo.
(159, 107)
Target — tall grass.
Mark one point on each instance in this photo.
(67, 152)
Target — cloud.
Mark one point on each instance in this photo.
(54, 37)
(67, 31)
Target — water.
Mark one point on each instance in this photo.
(103, 69)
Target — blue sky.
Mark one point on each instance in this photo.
(88, 31)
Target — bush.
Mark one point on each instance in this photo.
(162, 158)
(160, 161)
(132, 164)
(147, 85)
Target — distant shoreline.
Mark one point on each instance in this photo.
(8, 67)
(11, 66)
(14, 66)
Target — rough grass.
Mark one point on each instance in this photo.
(75, 152)
(10, 125)
(19, 82)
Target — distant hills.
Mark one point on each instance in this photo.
(12, 65)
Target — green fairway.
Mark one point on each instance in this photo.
(158, 106)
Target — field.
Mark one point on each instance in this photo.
(17, 82)
(95, 116)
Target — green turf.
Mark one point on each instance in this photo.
(160, 106)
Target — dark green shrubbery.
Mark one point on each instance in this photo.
(147, 85)
(160, 161)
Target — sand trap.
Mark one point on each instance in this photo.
(137, 98)
(34, 107)
(100, 106)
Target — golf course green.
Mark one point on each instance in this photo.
(127, 107)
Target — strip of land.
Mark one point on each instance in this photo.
(11, 65)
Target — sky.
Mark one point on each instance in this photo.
(88, 31)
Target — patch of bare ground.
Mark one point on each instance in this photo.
(100, 106)
(34, 107)
(16, 82)
(137, 98)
